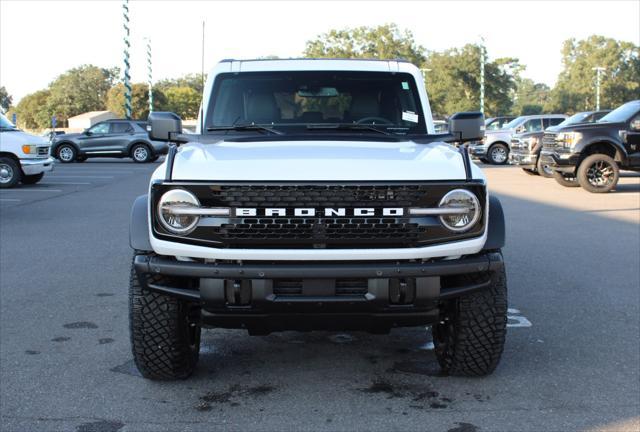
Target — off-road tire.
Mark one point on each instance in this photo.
(587, 173)
(496, 152)
(162, 345)
(32, 179)
(541, 170)
(470, 337)
(529, 171)
(12, 170)
(564, 180)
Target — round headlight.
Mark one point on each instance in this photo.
(464, 200)
(173, 209)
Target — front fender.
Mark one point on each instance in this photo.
(139, 225)
(496, 236)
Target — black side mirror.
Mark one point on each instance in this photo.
(467, 126)
(163, 126)
(87, 132)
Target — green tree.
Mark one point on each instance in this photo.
(33, 110)
(193, 81)
(184, 101)
(575, 89)
(139, 100)
(5, 99)
(453, 81)
(80, 90)
(530, 97)
(382, 42)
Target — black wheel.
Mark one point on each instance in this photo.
(81, 159)
(566, 180)
(544, 169)
(10, 172)
(498, 154)
(32, 179)
(470, 337)
(529, 171)
(66, 153)
(140, 153)
(598, 173)
(165, 334)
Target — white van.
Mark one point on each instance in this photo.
(23, 157)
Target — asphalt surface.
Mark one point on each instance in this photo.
(571, 361)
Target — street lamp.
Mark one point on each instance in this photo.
(598, 70)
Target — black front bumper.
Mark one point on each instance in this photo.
(561, 162)
(260, 297)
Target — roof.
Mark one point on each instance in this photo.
(400, 60)
(90, 114)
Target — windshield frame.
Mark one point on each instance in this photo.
(297, 127)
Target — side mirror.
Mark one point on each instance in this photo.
(163, 126)
(467, 126)
(635, 125)
(87, 132)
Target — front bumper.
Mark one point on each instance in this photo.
(36, 166)
(260, 297)
(523, 159)
(564, 162)
(478, 150)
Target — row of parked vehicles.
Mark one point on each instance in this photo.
(587, 149)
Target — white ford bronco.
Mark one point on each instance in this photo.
(316, 195)
(23, 157)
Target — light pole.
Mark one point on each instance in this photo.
(482, 60)
(127, 45)
(598, 70)
(149, 74)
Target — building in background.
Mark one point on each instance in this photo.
(88, 119)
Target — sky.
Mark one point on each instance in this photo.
(39, 40)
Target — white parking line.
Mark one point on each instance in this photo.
(31, 190)
(65, 183)
(79, 176)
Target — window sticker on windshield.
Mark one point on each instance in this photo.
(405, 85)
(410, 116)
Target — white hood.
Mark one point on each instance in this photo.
(19, 138)
(318, 161)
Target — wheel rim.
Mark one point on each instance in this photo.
(498, 154)
(140, 154)
(547, 169)
(66, 154)
(6, 173)
(600, 174)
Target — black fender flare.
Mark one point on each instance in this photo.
(139, 225)
(496, 236)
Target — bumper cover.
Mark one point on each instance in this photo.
(36, 166)
(561, 162)
(245, 296)
(523, 159)
(477, 150)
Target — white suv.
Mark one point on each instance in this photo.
(316, 195)
(23, 157)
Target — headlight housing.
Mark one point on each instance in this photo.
(464, 200)
(170, 215)
(568, 139)
(29, 149)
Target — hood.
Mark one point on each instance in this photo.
(319, 161)
(67, 136)
(19, 137)
(590, 126)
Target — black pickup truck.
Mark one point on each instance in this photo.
(591, 154)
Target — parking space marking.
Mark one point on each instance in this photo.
(515, 319)
(32, 190)
(65, 183)
(80, 176)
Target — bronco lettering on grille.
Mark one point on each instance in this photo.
(328, 212)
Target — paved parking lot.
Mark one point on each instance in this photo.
(571, 362)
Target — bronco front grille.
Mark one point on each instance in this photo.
(318, 231)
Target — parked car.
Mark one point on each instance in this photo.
(494, 147)
(440, 126)
(584, 117)
(497, 123)
(524, 148)
(591, 154)
(111, 138)
(293, 211)
(23, 157)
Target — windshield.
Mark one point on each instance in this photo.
(576, 118)
(514, 123)
(496, 123)
(622, 113)
(292, 101)
(5, 124)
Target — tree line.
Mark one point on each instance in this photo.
(452, 79)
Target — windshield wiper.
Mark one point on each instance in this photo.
(348, 126)
(244, 128)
